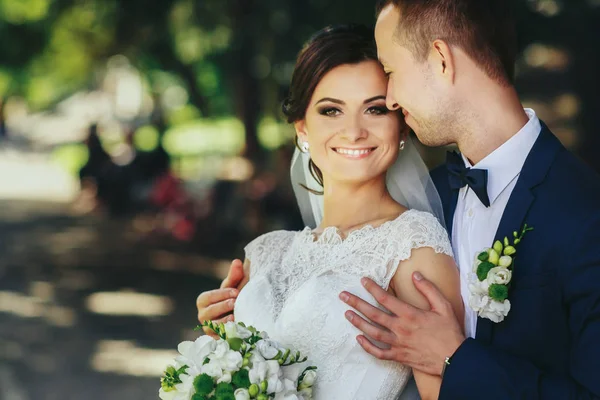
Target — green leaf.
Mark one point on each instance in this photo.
(498, 292)
(483, 269)
(197, 396)
(483, 256)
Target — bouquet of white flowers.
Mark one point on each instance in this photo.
(241, 364)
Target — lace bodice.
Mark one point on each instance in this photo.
(295, 280)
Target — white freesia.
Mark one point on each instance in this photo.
(170, 395)
(226, 378)
(258, 372)
(498, 276)
(273, 375)
(225, 358)
(306, 393)
(194, 353)
(478, 301)
(505, 261)
(242, 394)
(268, 348)
(309, 379)
(212, 369)
(234, 330)
(289, 395)
(216, 359)
(181, 391)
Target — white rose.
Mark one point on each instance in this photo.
(495, 310)
(268, 348)
(498, 275)
(194, 353)
(309, 379)
(235, 330)
(242, 394)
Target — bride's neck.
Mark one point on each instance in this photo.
(348, 206)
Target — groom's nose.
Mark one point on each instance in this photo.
(391, 103)
(390, 100)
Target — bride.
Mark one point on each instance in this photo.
(361, 184)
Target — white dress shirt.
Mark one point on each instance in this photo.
(474, 227)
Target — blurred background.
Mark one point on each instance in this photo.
(142, 146)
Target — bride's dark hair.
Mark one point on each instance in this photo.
(325, 50)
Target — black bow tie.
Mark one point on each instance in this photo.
(459, 176)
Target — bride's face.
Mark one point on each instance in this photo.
(353, 137)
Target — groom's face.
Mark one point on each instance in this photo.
(412, 86)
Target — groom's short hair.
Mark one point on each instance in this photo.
(484, 29)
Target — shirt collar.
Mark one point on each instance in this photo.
(505, 163)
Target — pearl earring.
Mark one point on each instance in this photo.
(401, 145)
(305, 146)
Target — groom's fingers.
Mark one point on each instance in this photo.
(389, 301)
(436, 299)
(376, 333)
(372, 313)
(375, 351)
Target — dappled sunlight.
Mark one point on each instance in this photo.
(124, 357)
(32, 177)
(538, 55)
(123, 303)
(21, 305)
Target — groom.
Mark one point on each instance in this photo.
(451, 66)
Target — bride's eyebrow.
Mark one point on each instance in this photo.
(341, 102)
(330, 99)
(372, 99)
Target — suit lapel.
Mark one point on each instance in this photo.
(534, 171)
(450, 209)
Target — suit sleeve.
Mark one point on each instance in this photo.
(481, 371)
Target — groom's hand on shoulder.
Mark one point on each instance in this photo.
(421, 339)
(217, 305)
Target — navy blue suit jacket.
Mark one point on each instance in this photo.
(548, 347)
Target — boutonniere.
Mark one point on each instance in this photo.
(493, 270)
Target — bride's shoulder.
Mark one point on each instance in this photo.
(415, 229)
(420, 220)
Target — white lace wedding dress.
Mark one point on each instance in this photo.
(295, 280)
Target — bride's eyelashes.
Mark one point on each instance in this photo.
(330, 111)
(378, 110)
(334, 112)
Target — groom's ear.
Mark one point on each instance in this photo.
(442, 60)
(300, 127)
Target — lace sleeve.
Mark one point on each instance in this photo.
(267, 249)
(418, 229)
